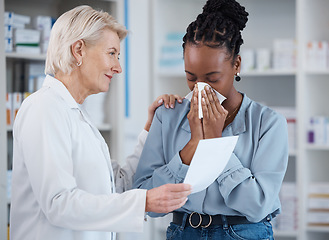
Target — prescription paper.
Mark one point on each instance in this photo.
(201, 86)
(208, 162)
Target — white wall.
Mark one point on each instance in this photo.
(137, 84)
(137, 72)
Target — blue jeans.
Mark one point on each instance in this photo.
(254, 231)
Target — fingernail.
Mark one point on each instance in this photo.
(172, 105)
(180, 100)
(167, 105)
(160, 101)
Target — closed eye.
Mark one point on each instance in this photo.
(212, 80)
(190, 76)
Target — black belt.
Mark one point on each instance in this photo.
(199, 220)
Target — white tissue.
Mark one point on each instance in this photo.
(201, 86)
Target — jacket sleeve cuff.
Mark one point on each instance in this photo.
(142, 136)
(140, 216)
(177, 168)
(233, 165)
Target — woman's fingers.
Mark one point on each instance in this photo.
(207, 109)
(217, 104)
(212, 102)
(167, 100)
(194, 109)
(214, 114)
(193, 118)
(204, 105)
(173, 98)
(167, 198)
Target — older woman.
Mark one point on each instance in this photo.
(64, 184)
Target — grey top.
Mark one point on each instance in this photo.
(250, 183)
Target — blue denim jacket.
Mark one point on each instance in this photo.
(250, 183)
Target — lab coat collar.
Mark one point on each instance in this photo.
(60, 89)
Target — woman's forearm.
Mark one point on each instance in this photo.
(186, 154)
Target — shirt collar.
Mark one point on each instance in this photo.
(239, 123)
(61, 90)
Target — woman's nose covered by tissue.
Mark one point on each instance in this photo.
(201, 86)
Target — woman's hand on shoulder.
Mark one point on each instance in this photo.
(169, 101)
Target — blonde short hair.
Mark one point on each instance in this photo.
(80, 23)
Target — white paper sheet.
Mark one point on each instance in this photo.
(208, 162)
(201, 86)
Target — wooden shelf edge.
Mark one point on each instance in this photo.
(318, 228)
(254, 73)
(282, 233)
(317, 72)
(14, 55)
(317, 147)
(270, 72)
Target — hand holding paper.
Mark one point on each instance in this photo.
(209, 160)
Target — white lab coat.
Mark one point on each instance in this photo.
(63, 181)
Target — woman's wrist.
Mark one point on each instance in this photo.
(147, 126)
(186, 154)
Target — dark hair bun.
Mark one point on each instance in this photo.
(228, 9)
(219, 25)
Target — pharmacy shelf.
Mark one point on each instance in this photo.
(253, 73)
(270, 72)
(317, 147)
(26, 56)
(318, 229)
(171, 73)
(318, 72)
(283, 234)
(100, 127)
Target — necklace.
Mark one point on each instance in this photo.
(232, 112)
